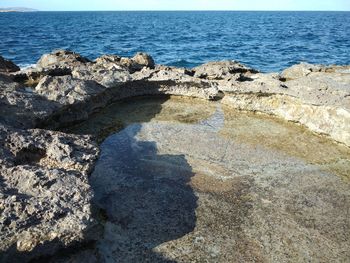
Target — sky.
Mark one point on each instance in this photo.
(76, 5)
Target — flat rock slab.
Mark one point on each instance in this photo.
(197, 193)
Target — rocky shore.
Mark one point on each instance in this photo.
(46, 202)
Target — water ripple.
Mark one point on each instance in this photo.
(268, 41)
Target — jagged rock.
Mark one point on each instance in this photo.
(107, 59)
(6, 83)
(299, 70)
(21, 107)
(144, 60)
(49, 209)
(108, 75)
(7, 66)
(320, 100)
(45, 197)
(61, 59)
(68, 90)
(221, 70)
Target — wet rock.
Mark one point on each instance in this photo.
(7, 66)
(240, 198)
(221, 70)
(45, 198)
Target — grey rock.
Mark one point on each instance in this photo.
(51, 208)
(144, 60)
(7, 66)
(221, 70)
(107, 74)
(21, 107)
(61, 59)
(68, 90)
(299, 70)
(45, 199)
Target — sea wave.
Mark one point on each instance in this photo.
(24, 66)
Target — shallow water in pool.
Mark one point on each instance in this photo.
(186, 180)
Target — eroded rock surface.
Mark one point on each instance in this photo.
(7, 66)
(45, 202)
(188, 176)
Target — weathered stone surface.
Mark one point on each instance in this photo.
(68, 90)
(107, 74)
(299, 71)
(61, 59)
(143, 60)
(320, 100)
(304, 69)
(22, 108)
(138, 62)
(45, 199)
(44, 188)
(221, 70)
(7, 66)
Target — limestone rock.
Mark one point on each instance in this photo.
(107, 59)
(21, 107)
(45, 197)
(7, 66)
(107, 74)
(61, 59)
(299, 70)
(221, 70)
(320, 100)
(144, 60)
(68, 90)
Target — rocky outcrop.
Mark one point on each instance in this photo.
(7, 66)
(222, 70)
(45, 197)
(61, 59)
(22, 108)
(51, 208)
(304, 69)
(319, 100)
(67, 90)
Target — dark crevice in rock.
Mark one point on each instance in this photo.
(29, 155)
(243, 78)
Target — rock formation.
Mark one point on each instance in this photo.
(45, 197)
(7, 66)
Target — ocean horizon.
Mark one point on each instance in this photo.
(266, 40)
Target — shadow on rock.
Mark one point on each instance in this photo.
(146, 197)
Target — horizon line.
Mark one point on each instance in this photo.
(188, 10)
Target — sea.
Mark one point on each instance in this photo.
(267, 41)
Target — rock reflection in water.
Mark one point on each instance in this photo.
(146, 195)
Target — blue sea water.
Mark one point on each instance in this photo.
(268, 41)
